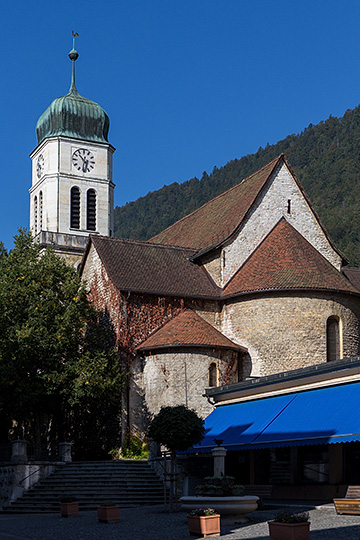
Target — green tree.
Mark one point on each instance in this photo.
(177, 428)
(58, 367)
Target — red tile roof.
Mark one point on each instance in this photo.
(285, 260)
(215, 221)
(187, 330)
(151, 268)
(353, 275)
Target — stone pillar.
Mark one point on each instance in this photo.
(153, 450)
(19, 451)
(219, 453)
(65, 452)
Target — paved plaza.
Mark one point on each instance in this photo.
(152, 523)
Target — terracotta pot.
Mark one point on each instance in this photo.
(204, 525)
(289, 531)
(108, 514)
(69, 509)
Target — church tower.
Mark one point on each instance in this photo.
(72, 192)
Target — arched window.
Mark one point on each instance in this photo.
(332, 339)
(91, 210)
(213, 378)
(75, 208)
(40, 210)
(35, 214)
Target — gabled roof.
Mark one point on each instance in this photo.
(187, 330)
(353, 275)
(152, 268)
(285, 260)
(216, 221)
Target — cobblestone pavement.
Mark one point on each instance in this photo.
(151, 523)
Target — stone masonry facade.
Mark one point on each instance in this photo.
(284, 332)
(282, 197)
(270, 288)
(177, 378)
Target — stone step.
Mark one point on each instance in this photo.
(83, 493)
(125, 476)
(126, 483)
(106, 480)
(93, 501)
(95, 483)
(107, 464)
(65, 487)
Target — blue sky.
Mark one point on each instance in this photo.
(188, 84)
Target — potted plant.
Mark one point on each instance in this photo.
(108, 512)
(221, 493)
(219, 485)
(69, 506)
(204, 522)
(288, 526)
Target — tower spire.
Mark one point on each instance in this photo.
(73, 55)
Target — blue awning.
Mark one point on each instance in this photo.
(321, 416)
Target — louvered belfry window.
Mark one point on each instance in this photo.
(332, 339)
(35, 214)
(40, 210)
(91, 210)
(75, 208)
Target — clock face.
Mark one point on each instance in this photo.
(83, 160)
(40, 166)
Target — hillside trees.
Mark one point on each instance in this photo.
(59, 373)
(325, 157)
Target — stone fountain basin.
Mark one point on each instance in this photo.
(236, 504)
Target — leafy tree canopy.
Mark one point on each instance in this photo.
(57, 358)
(177, 428)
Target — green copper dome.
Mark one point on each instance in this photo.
(73, 116)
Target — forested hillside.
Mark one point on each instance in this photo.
(325, 157)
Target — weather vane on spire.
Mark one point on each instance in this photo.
(75, 35)
(73, 55)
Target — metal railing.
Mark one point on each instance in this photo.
(29, 475)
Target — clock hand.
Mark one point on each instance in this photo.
(85, 165)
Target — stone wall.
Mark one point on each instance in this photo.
(15, 479)
(7, 480)
(282, 331)
(213, 264)
(271, 206)
(287, 331)
(155, 380)
(135, 316)
(160, 379)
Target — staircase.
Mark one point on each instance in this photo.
(127, 483)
